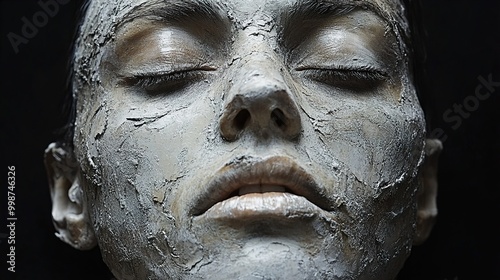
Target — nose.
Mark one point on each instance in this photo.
(261, 107)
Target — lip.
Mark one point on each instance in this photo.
(288, 190)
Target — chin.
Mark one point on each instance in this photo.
(270, 258)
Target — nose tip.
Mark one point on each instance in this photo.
(263, 111)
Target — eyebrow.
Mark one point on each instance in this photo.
(296, 17)
(174, 11)
(311, 9)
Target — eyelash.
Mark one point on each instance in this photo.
(153, 80)
(357, 79)
(164, 83)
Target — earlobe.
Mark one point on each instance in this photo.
(69, 209)
(427, 194)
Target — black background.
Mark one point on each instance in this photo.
(463, 43)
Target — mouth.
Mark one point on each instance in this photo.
(249, 187)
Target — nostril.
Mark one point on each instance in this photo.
(241, 119)
(262, 113)
(278, 117)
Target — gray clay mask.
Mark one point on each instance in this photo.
(248, 139)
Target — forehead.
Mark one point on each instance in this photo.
(103, 14)
(103, 17)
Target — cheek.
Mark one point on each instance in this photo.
(150, 157)
(387, 144)
(144, 162)
(376, 141)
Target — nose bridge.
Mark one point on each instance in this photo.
(262, 68)
(256, 48)
(259, 102)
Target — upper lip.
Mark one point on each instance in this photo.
(246, 171)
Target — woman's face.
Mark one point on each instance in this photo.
(250, 139)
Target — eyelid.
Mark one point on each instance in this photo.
(134, 78)
(347, 72)
(174, 70)
(164, 83)
(359, 79)
(345, 68)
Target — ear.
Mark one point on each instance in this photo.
(427, 194)
(69, 209)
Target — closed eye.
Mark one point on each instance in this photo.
(353, 79)
(165, 83)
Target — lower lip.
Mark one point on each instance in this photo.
(261, 205)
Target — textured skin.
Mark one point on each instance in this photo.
(145, 157)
